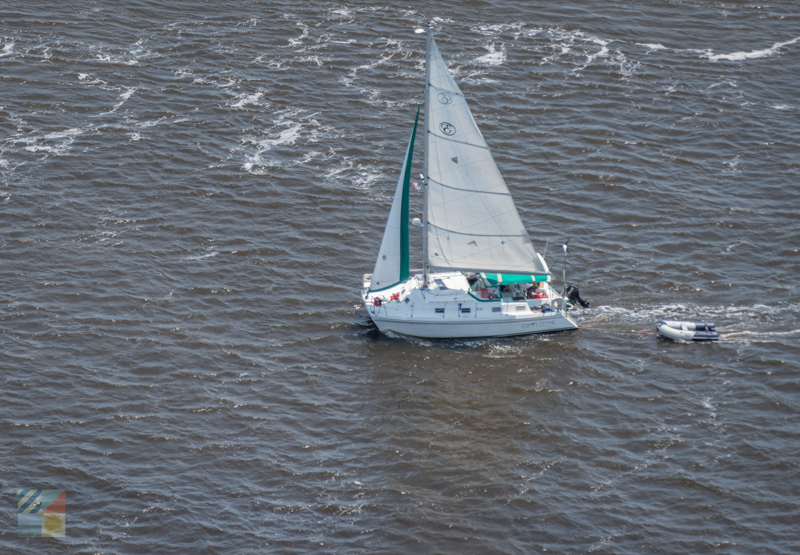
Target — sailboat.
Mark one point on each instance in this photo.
(481, 276)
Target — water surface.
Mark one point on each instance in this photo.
(191, 192)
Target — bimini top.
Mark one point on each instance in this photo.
(508, 279)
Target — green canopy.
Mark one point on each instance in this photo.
(506, 279)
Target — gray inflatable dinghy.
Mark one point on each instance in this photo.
(688, 331)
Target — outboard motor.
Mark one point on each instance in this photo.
(574, 295)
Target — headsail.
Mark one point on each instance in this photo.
(392, 265)
(472, 222)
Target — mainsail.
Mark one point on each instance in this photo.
(472, 222)
(392, 265)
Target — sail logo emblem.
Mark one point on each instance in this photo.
(41, 513)
(444, 98)
(447, 128)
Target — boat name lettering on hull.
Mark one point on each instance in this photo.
(539, 324)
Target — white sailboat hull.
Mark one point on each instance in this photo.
(497, 328)
(454, 312)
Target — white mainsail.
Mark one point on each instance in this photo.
(392, 264)
(472, 222)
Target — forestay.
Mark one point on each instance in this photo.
(473, 223)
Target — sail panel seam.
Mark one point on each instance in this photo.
(443, 138)
(469, 190)
(478, 234)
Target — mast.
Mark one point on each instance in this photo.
(428, 37)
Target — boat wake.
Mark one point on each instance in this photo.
(739, 56)
(753, 323)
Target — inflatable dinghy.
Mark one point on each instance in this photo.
(688, 331)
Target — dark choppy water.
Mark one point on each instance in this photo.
(190, 193)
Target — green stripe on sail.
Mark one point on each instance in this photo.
(404, 251)
(508, 279)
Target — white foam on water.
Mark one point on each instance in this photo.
(782, 107)
(108, 59)
(152, 123)
(732, 166)
(499, 350)
(334, 172)
(729, 83)
(311, 59)
(366, 177)
(494, 57)
(184, 72)
(652, 46)
(357, 176)
(273, 64)
(201, 256)
(60, 147)
(122, 98)
(286, 137)
(246, 99)
(138, 51)
(69, 133)
(602, 53)
(709, 406)
(516, 29)
(763, 333)
(304, 34)
(739, 56)
(341, 12)
(309, 156)
(8, 49)
(371, 65)
(94, 80)
(626, 68)
(491, 29)
(291, 127)
(578, 43)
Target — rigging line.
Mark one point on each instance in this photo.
(573, 253)
(491, 248)
(439, 245)
(442, 243)
(479, 234)
(445, 138)
(525, 269)
(446, 90)
(469, 190)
